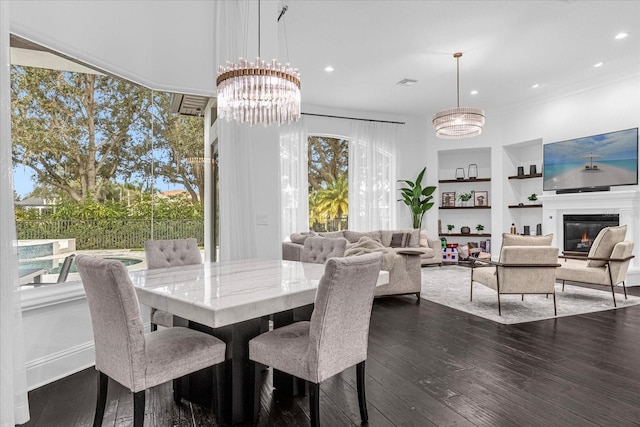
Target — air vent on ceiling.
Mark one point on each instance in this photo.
(407, 82)
(188, 105)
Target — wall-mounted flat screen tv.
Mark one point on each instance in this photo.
(592, 162)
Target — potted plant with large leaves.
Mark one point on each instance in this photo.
(417, 198)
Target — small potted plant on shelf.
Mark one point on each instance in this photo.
(533, 198)
(450, 227)
(479, 228)
(464, 198)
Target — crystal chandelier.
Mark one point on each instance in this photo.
(258, 92)
(458, 122)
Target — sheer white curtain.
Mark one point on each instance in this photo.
(294, 178)
(372, 176)
(237, 225)
(14, 407)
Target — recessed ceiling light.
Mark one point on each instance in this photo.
(599, 64)
(535, 86)
(474, 92)
(621, 36)
(328, 68)
(407, 82)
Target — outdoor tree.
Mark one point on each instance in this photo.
(77, 131)
(328, 160)
(179, 148)
(333, 201)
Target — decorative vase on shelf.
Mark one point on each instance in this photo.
(459, 174)
(465, 230)
(473, 171)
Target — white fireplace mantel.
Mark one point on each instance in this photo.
(625, 203)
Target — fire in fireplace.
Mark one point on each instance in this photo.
(581, 230)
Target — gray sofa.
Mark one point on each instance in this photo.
(404, 276)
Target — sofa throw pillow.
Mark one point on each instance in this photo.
(424, 240)
(604, 242)
(400, 240)
(298, 238)
(414, 236)
(509, 239)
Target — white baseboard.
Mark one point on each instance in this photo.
(58, 365)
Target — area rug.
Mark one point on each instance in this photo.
(449, 286)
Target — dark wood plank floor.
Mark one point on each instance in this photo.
(429, 365)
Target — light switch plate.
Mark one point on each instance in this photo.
(262, 219)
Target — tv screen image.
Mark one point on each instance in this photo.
(605, 160)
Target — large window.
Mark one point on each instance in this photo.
(100, 164)
(328, 183)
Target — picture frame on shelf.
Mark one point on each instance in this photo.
(481, 198)
(448, 199)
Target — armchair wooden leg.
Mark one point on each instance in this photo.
(101, 399)
(314, 404)
(555, 311)
(471, 290)
(624, 289)
(362, 399)
(138, 408)
(563, 286)
(499, 309)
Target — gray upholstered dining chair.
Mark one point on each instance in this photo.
(334, 339)
(319, 249)
(124, 352)
(169, 253)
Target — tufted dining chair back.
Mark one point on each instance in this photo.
(169, 253)
(318, 250)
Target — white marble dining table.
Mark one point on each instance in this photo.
(229, 300)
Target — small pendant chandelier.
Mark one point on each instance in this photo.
(458, 122)
(258, 92)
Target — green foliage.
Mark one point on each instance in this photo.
(450, 227)
(533, 197)
(330, 203)
(417, 198)
(465, 197)
(479, 227)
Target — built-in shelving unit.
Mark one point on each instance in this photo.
(458, 181)
(465, 207)
(524, 206)
(521, 211)
(472, 213)
(537, 175)
(465, 235)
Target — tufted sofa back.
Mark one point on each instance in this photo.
(319, 249)
(170, 253)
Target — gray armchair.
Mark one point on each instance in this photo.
(606, 263)
(335, 338)
(124, 352)
(169, 253)
(521, 270)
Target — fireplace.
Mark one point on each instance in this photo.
(581, 230)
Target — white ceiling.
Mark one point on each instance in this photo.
(507, 47)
